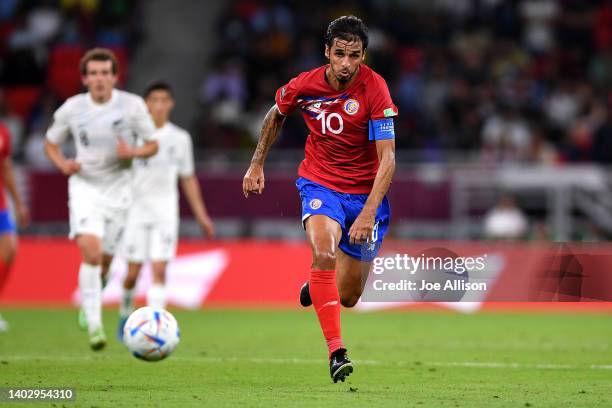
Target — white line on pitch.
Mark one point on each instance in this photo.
(263, 360)
(466, 364)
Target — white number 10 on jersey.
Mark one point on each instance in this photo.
(326, 122)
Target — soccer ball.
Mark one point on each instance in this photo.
(151, 334)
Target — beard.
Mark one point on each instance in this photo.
(345, 79)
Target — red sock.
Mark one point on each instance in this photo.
(5, 268)
(326, 302)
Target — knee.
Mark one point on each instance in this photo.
(159, 272)
(129, 282)
(106, 261)
(8, 248)
(349, 300)
(323, 260)
(91, 255)
(159, 278)
(91, 250)
(8, 253)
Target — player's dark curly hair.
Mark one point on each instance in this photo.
(349, 28)
(158, 86)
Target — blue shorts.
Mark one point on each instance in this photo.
(6, 223)
(344, 208)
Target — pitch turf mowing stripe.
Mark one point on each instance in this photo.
(278, 359)
(239, 360)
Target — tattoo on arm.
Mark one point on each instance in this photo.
(272, 124)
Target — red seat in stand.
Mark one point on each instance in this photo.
(21, 99)
(63, 76)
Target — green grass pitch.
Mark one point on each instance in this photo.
(277, 358)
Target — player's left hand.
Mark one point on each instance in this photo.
(208, 226)
(124, 150)
(362, 228)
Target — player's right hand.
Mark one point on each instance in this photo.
(208, 226)
(254, 181)
(71, 167)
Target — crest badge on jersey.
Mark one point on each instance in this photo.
(351, 106)
(315, 203)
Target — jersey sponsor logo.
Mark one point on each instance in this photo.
(315, 203)
(351, 106)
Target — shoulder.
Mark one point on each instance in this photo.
(376, 88)
(179, 133)
(371, 77)
(310, 77)
(129, 98)
(76, 99)
(74, 102)
(315, 74)
(71, 107)
(177, 130)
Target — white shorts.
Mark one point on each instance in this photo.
(150, 241)
(90, 216)
(106, 223)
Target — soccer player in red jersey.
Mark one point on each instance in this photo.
(344, 177)
(8, 242)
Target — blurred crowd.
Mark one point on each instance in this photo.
(521, 81)
(525, 81)
(41, 43)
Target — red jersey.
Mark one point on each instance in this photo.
(5, 152)
(339, 153)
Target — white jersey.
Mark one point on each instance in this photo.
(156, 195)
(96, 129)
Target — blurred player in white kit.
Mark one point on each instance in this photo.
(105, 124)
(152, 230)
